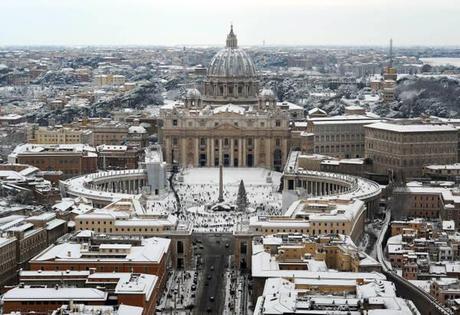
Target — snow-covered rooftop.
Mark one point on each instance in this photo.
(152, 250)
(412, 127)
(53, 294)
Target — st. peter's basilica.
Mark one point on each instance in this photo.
(232, 123)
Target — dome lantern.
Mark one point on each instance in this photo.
(232, 41)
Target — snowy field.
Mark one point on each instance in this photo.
(231, 176)
(198, 190)
(165, 204)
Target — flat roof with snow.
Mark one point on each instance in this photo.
(412, 127)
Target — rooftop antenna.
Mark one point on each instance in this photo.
(391, 52)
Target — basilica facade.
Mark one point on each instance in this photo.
(232, 123)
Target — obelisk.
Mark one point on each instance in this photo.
(221, 183)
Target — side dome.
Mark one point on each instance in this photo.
(193, 93)
(267, 93)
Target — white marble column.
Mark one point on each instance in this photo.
(208, 152)
(220, 151)
(197, 152)
(213, 150)
(232, 151)
(240, 152)
(256, 151)
(268, 155)
(244, 153)
(183, 146)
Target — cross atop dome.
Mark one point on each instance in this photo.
(232, 41)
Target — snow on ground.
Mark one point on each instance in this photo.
(198, 190)
(230, 292)
(369, 237)
(178, 294)
(165, 204)
(422, 284)
(231, 176)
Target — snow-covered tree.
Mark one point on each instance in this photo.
(241, 198)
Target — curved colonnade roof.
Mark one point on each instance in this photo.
(78, 186)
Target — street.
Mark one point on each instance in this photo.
(214, 250)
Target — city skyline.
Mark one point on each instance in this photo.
(178, 22)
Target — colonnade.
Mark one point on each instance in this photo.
(229, 151)
(127, 186)
(317, 188)
(237, 159)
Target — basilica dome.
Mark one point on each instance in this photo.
(232, 61)
(232, 76)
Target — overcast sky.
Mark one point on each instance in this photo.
(206, 22)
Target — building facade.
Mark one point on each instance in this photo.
(405, 147)
(8, 256)
(71, 159)
(231, 124)
(54, 135)
(338, 136)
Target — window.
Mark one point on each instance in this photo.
(174, 122)
(278, 123)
